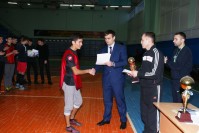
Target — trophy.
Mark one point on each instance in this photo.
(186, 84)
(132, 65)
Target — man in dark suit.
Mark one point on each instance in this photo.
(113, 79)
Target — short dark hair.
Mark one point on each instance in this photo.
(40, 39)
(182, 34)
(24, 38)
(109, 32)
(30, 39)
(76, 36)
(14, 37)
(151, 35)
(8, 36)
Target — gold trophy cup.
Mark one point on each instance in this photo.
(132, 65)
(186, 84)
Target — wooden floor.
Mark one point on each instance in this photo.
(39, 109)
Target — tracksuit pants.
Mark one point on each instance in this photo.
(149, 113)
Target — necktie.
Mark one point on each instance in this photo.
(110, 50)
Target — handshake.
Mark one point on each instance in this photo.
(91, 71)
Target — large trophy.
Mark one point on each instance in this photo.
(186, 84)
(132, 65)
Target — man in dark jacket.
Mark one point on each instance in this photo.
(151, 76)
(2, 61)
(31, 62)
(180, 64)
(113, 79)
(43, 60)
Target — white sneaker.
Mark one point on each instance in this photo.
(21, 87)
(17, 86)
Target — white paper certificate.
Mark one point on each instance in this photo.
(103, 58)
(126, 71)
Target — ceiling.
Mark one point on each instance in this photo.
(55, 4)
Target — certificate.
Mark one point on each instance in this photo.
(32, 53)
(126, 71)
(103, 58)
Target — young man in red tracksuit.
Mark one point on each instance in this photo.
(71, 82)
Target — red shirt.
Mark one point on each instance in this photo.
(77, 78)
(11, 58)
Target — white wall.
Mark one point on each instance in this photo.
(135, 28)
(170, 16)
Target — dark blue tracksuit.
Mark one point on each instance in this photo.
(180, 67)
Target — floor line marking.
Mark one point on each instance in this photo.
(46, 96)
(131, 123)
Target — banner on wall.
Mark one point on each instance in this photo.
(63, 33)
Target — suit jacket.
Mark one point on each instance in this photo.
(183, 65)
(119, 57)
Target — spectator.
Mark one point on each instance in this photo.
(31, 62)
(9, 64)
(21, 63)
(43, 60)
(2, 62)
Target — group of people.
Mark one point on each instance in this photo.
(15, 60)
(150, 75)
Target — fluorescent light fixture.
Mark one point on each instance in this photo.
(90, 5)
(126, 6)
(28, 4)
(114, 6)
(64, 5)
(77, 5)
(12, 3)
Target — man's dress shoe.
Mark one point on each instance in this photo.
(123, 125)
(101, 123)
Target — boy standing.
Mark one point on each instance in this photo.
(32, 62)
(71, 82)
(2, 61)
(43, 50)
(9, 63)
(21, 63)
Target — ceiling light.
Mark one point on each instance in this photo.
(64, 5)
(28, 4)
(77, 5)
(13, 3)
(126, 6)
(90, 5)
(114, 6)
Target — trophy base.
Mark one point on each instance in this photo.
(135, 80)
(183, 117)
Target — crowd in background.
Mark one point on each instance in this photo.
(17, 58)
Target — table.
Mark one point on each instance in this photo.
(168, 122)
